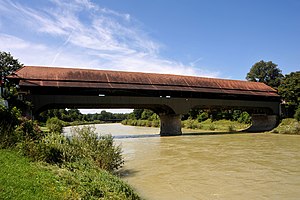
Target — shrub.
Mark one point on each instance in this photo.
(84, 144)
(156, 123)
(149, 123)
(297, 114)
(244, 118)
(212, 127)
(231, 128)
(153, 117)
(288, 126)
(188, 123)
(100, 149)
(202, 117)
(55, 125)
(28, 130)
(9, 119)
(196, 125)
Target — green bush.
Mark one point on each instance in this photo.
(202, 117)
(297, 114)
(187, 123)
(100, 149)
(149, 123)
(244, 118)
(9, 119)
(156, 123)
(28, 130)
(288, 126)
(212, 127)
(84, 144)
(55, 125)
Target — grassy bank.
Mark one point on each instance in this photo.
(220, 125)
(48, 165)
(141, 122)
(23, 179)
(288, 126)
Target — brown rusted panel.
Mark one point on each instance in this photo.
(87, 78)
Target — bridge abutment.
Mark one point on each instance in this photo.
(170, 124)
(261, 123)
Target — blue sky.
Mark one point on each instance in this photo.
(214, 38)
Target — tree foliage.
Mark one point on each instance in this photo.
(71, 115)
(265, 72)
(289, 88)
(9, 119)
(8, 64)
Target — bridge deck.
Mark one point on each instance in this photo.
(30, 76)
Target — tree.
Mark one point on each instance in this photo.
(289, 88)
(146, 114)
(265, 72)
(138, 113)
(8, 64)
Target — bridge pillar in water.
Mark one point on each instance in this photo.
(261, 123)
(170, 124)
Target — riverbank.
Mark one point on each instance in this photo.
(220, 125)
(74, 123)
(24, 179)
(288, 126)
(50, 166)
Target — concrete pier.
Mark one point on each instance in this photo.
(170, 124)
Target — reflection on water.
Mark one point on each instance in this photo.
(195, 166)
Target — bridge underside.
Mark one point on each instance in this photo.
(264, 114)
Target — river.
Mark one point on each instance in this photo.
(196, 166)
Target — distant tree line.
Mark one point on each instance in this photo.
(196, 114)
(71, 115)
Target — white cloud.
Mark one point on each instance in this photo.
(103, 39)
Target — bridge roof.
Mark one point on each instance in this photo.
(30, 76)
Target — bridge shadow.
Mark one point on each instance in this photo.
(200, 133)
(216, 133)
(136, 136)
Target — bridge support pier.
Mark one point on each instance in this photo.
(170, 124)
(261, 123)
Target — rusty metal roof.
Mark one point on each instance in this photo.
(87, 78)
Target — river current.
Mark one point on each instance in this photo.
(208, 166)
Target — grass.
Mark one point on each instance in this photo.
(141, 122)
(23, 179)
(220, 125)
(288, 126)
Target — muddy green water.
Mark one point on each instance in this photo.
(238, 166)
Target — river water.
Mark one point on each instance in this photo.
(197, 166)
